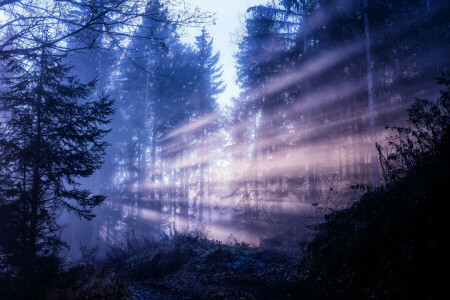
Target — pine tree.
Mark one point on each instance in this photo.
(51, 135)
(209, 85)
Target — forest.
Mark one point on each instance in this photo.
(133, 167)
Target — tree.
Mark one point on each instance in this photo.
(375, 173)
(51, 134)
(209, 85)
(115, 20)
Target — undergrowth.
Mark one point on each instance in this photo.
(392, 243)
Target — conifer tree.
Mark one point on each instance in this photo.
(51, 135)
(209, 85)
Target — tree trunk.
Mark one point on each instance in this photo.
(202, 192)
(305, 28)
(184, 200)
(312, 183)
(153, 162)
(37, 161)
(374, 158)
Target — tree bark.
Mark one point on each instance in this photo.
(374, 158)
(37, 161)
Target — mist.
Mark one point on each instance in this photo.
(262, 157)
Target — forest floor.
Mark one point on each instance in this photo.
(185, 267)
(225, 274)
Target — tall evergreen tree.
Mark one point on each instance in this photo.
(51, 134)
(209, 86)
(209, 83)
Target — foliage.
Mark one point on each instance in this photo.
(419, 144)
(51, 135)
(209, 84)
(88, 253)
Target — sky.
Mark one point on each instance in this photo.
(228, 22)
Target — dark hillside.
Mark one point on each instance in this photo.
(391, 244)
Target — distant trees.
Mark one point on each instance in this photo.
(308, 70)
(133, 51)
(137, 102)
(261, 59)
(161, 85)
(51, 134)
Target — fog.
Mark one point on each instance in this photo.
(279, 155)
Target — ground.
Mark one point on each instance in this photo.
(186, 267)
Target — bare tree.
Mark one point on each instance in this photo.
(115, 21)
